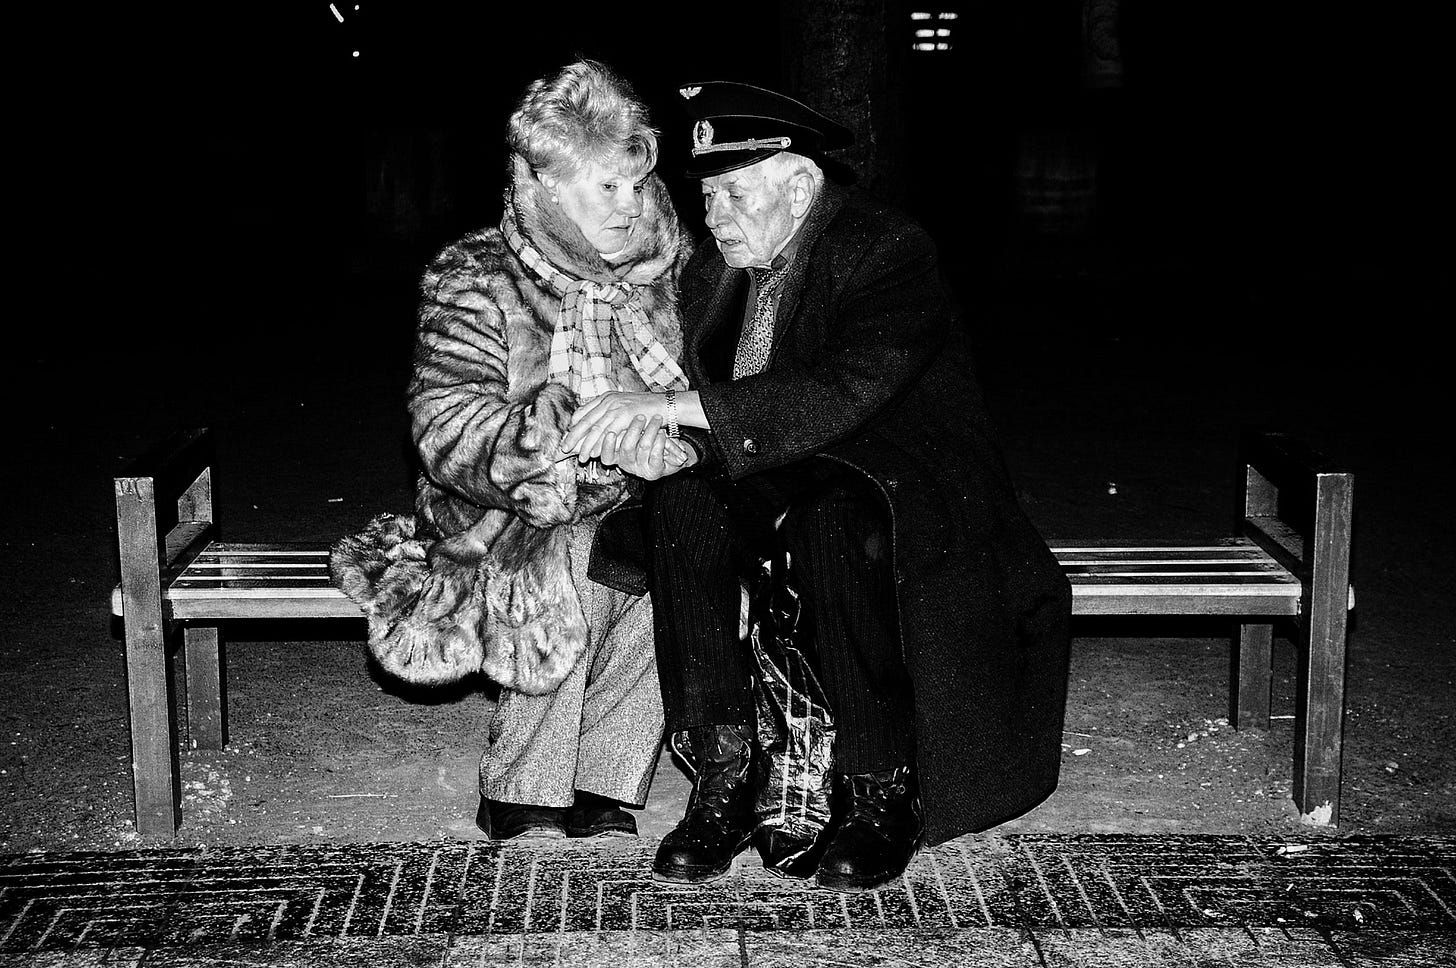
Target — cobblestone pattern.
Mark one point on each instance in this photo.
(520, 899)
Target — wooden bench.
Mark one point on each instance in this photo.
(1290, 561)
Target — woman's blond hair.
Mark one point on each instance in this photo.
(581, 114)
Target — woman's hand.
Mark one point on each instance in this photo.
(642, 450)
(609, 413)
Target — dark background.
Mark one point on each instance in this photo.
(259, 185)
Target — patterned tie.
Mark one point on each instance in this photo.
(757, 338)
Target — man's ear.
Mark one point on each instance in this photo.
(801, 193)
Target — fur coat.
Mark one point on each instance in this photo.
(477, 577)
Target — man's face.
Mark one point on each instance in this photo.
(749, 213)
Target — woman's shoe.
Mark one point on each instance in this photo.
(597, 816)
(520, 821)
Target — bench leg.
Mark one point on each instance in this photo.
(206, 687)
(1249, 704)
(1319, 714)
(153, 707)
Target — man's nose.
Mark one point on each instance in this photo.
(714, 214)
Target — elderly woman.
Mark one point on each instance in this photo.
(513, 563)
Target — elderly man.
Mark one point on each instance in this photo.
(834, 416)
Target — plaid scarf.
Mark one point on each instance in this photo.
(591, 312)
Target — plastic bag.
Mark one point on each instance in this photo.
(795, 728)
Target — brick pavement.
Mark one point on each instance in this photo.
(1019, 900)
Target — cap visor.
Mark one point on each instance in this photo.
(720, 162)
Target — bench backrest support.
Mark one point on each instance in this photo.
(1299, 507)
(164, 516)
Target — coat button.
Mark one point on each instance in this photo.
(750, 446)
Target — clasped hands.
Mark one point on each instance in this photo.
(626, 430)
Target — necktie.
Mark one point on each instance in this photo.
(757, 338)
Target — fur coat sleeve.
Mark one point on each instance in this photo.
(475, 435)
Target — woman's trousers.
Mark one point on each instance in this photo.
(601, 730)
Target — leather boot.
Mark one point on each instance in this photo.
(880, 832)
(719, 819)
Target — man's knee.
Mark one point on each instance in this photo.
(849, 514)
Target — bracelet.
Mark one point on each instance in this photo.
(672, 428)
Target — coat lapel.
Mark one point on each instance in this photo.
(826, 206)
(718, 298)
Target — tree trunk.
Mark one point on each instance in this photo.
(846, 58)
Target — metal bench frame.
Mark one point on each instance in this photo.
(1291, 561)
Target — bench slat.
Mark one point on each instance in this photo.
(262, 585)
(315, 606)
(1263, 570)
(1176, 601)
(243, 557)
(256, 573)
(1230, 561)
(1134, 582)
(206, 568)
(1243, 549)
(261, 548)
(1246, 563)
(253, 591)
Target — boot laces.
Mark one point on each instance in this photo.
(715, 790)
(721, 773)
(873, 800)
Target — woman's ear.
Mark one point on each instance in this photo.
(551, 184)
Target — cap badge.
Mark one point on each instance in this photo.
(689, 92)
(702, 136)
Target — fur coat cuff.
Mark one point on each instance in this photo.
(496, 599)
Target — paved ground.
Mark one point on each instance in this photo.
(1021, 900)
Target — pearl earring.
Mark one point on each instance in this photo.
(554, 200)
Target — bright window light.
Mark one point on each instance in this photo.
(920, 16)
(922, 47)
(951, 15)
(924, 33)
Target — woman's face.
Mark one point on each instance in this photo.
(604, 201)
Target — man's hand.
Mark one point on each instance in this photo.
(643, 450)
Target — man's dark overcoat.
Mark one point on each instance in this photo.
(871, 369)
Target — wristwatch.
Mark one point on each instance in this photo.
(672, 428)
